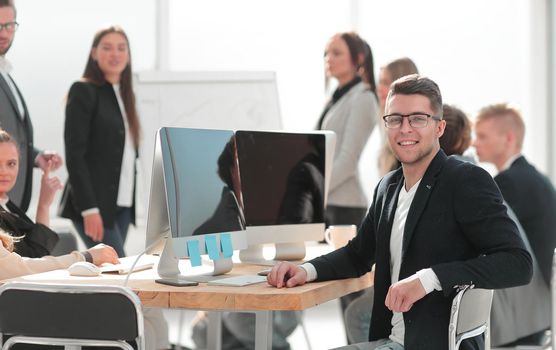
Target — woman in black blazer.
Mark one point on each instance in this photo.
(101, 137)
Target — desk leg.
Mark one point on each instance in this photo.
(263, 330)
(214, 332)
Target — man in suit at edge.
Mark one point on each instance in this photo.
(435, 224)
(500, 131)
(14, 116)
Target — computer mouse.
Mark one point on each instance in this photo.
(83, 268)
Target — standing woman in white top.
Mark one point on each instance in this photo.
(101, 136)
(351, 113)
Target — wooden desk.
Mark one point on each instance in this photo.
(259, 298)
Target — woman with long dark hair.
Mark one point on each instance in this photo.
(351, 113)
(101, 136)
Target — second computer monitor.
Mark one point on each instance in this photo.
(284, 186)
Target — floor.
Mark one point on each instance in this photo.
(322, 319)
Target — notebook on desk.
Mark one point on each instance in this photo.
(238, 281)
(145, 262)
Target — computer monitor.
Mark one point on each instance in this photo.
(285, 178)
(195, 195)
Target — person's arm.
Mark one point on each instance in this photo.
(358, 127)
(80, 110)
(49, 187)
(358, 256)
(13, 265)
(503, 261)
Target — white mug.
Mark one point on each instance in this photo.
(339, 235)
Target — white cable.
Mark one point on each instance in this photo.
(139, 256)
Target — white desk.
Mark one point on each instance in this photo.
(260, 298)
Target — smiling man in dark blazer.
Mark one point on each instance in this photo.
(435, 224)
(14, 116)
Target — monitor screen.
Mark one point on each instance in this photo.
(202, 181)
(282, 177)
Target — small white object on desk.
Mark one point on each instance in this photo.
(145, 262)
(238, 281)
(84, 269)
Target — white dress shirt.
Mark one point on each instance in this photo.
(127, 173)
(427, 277)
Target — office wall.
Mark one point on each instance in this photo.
(479, 51)
(50, 52)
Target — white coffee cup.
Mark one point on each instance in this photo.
(339, 235)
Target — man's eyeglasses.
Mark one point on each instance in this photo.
(416, 120)
(10, 26)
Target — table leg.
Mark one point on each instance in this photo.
(214, 331)
(263, 330)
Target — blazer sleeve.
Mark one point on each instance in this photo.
(357, 257)
(80, 112)
(503, 261)
(13, 265)
(358, 127)
(37, 242)
(35, 154)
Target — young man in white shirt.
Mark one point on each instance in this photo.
(435, 224)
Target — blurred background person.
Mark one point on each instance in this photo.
(351, 113)
(14, 115)
(388, 73)
(101, 137)
(500, 132)
(457, 135)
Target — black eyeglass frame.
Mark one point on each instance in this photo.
(7, 26)
(385, 118)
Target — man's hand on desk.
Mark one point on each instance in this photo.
(102, 253)
(286, 274)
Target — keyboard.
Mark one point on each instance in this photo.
(145, 262)
(238, 281)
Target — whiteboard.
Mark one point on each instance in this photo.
(214, 100)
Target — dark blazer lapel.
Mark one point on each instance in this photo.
(421, 198)
(25, 111)
(389, 205)
(4, 85)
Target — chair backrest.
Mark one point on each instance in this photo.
(87, 312)
(470, 314)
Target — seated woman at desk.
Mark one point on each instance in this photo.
(36, 239)
(20, 236)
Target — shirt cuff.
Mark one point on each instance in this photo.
(429, 280)
(87, 256)
(90, 211)
(311, 271)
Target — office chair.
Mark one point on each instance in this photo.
(70, 315)
(469, 315)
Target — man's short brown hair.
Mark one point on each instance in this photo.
(508, 118)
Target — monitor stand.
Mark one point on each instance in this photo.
(284, 251)
(168, 266)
